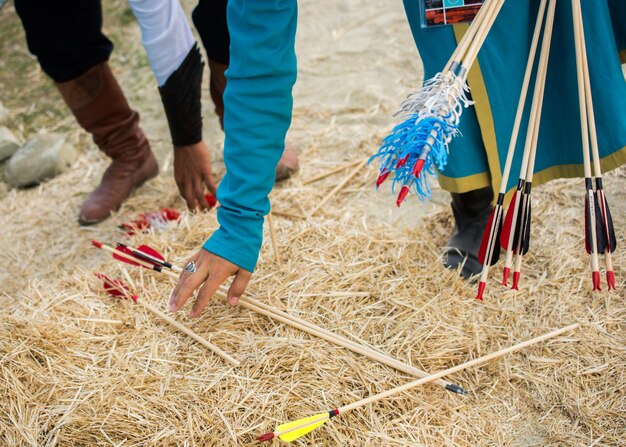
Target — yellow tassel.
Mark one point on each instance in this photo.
(313, 421)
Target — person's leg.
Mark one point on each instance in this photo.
(209, 18)
(471, 212)
(67, 39)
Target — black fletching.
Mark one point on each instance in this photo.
(526, 225)
(588, 243)
(600, 228)
(496, 246)
(609, 227)
(519, 222)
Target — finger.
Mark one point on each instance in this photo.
(209, 182)
(206, 293)
(199, 194)
(189, 196)
(238, 287)
(187, 283)
(184, 274)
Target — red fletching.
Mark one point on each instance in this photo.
(127, 251)
(381, 178)
(508, 222)
(150, 252)
(403, 193)
(481, 290)
(417, 169)
(516, 276)
(610, 280)
(168, 214)
(505, 276)
(146, 221)
(595, 277)
(402, 161)
(482, 251)
(265, 437)
(210, 199)
(136, 226)
(115, 287)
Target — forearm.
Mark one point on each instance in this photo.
(258, 106)
(176, 63)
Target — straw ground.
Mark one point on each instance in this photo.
(79, 368)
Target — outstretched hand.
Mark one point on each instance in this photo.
(192, 172)
(211, 272)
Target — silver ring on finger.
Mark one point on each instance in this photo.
(191, 267)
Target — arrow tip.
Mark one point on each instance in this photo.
(481, 289)
(265, 437)
(505, 276)
(417, 169)
(610, 280)
(403, 193)
(595, 276)
(382, 177)
(456, 389)
(97, 244)
(515, 285)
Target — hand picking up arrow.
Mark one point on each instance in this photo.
(150, 258)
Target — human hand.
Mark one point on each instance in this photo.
(211, 270)
(192, 172)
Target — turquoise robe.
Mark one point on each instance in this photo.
(257, 113)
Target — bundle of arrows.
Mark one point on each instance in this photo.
(291, 431)
(419, 144)
(513, 231)
(149, 258)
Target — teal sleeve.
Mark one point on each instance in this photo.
(257, 114)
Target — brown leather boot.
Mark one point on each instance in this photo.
(99, 105)
(288, 163)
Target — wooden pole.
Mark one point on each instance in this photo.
(432, 377)
(335, 339)
(298, 323)
(530, 147)
(184, 329)
(584, 124)
(343, 183)
(323, 175)
(270, 223)
(513, 141)
(593, 136)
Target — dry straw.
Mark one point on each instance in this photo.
(72, 374)
(78, 368)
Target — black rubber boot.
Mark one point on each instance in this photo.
(471, 213)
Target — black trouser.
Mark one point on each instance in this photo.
(66, 36)
(209, 18)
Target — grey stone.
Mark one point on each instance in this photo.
(5, 115)
(41, 158)
(8, 143)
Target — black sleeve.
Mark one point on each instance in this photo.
(181, 96)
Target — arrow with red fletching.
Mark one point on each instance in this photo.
(118, 288)
(515, 238)
(597, 213)
(595, 229)
(155, 263)
(499, 226)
